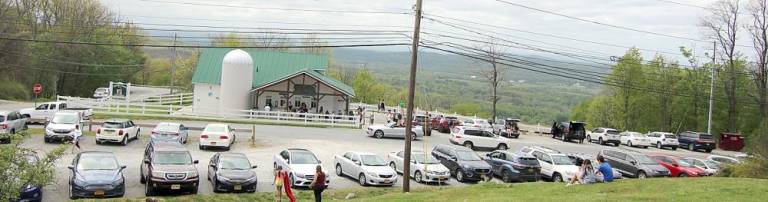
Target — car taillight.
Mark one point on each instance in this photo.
(175, 134)
(4, 126)
(458, 136)
(223, 137)
(154, 132)
(120, 132)
(203, 136)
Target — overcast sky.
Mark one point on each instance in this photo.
(650, 15)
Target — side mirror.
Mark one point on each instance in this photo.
(146, 161)
(254, 167)
(319, 162)
(358, 163)
(195, 161)
(212, 165)
(454, 159)
(633, 162)
(123, 167)
(488, 155)
(71, 167)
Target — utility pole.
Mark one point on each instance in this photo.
(173, 62)
(411, 89)
(712, 87)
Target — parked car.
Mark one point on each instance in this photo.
(634, 164)
(663, 139)
(45, 111)
(723, 159)
(475, 138)
(507, 128)
(555, 166)
(393, 130)
(446, 123)
(101, 93)
(231, 172)
(62, 126)
(96, 174)
(117, 130)
(568, 131)
(696, 141)
(676, 167)
(300, 165)
(424, 168)
(166, 131)
(604, 136)
(217, 135)
(635, 139)
(10, 123)
(463, 163)
(366, 168)
(478, 123)
(30, 192)
(709, 167)
(168, 166)
(578, 160)
(514, 167)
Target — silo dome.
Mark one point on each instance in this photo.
(236, 81)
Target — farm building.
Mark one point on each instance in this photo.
(228, 80)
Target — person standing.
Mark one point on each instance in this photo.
(318, 184)
(279, 183)
(381, 106)
(605, 169)
(76, 138)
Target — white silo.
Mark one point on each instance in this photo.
(236, 81)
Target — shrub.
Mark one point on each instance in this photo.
(12, 90)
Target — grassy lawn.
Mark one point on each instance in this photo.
(668, 189)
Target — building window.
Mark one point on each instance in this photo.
(269, 100)
(297, 103)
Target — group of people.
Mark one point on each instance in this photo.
(395, 116)
(283, 184)
(588, 175)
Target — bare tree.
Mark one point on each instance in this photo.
(492, 52)
(758, 29)
(723, 27)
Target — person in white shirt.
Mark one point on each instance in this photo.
(76, 137)
(267, 108)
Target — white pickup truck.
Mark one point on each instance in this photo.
(45, 111)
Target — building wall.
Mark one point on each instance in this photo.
(332, 104)
(206, 98)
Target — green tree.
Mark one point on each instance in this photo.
(18, 172)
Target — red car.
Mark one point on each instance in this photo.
(446, 123)
(676, 167)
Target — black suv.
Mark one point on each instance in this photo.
(169, 166)
(518, 167)
(696, 141)
(634, 164)
(568, 131)
(464, 163)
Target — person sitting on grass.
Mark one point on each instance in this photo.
(605, 169)
(586, 174)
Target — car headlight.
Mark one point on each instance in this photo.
(220, 178)
(191, 174)
(48, 130)
(251, 179)
(158, 174)
(118, 182)
(28, 187)
(79, 181)
(371, 173)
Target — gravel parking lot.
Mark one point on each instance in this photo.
(270, 140)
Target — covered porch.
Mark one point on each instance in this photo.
(306, 91)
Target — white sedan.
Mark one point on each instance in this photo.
(300, 165)
(366, 168)
(392, 130)
(635, 139)
(217, 135)
(424, 167)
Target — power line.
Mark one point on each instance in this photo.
(279, 9)
(71, 62)
(27, 68)
(605, 24)
(198, 46)
(267, 22)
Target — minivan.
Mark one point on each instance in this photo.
(634, 164)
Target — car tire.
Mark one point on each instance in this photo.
(148, 190)
(469, 145)
(417, 177)
(194, 191)
(641, 175)
(674, 148)
(361, 180)
(557, 177)
(142, 180)
(645, 147)
(338, 170)
(629, 143)
(709, 151)
(506, 176)
(413, 136)
(214, 183)
(125, 140)
(185, 141)
(392, 165)
(502, 147)
(71, 193)
(201, 147)
(563, 138)
(589, 138)
(13, 131)
(600, 141)
(658, 145)
(616, 144)
(459, 175)
(690, 147)
(378, 134)
(98, 142)
(682, 175)
(46, 140)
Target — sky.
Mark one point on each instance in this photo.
(650, 15)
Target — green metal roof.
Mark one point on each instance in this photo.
(333, 83)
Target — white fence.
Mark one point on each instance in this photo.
(177, 99)
(117, 108)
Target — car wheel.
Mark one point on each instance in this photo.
(709, 151)
(658, 145)
(563, 138)
(600, 141)
(459, 175)
(469, 145)
(502, 147)
(148, 191)
(293, 180)
(214, 183)
(641, 175)
(185, 140)
(137, 135)
(98, 142)
(674, 148)
(682, 175)
(193, 191)
(71, 194)
(413, 136)
(125, 140)
(417, 177)
(645, 147)
(46, 140)
(13, 131)
(141, 178)
(589, 138)
(200, 147)
(557, 177)
(361, 180)
(392, 165)
(378, 134)
(506, 176)
(338, 170)
(629, 143)
(616, 144)
(690, 147)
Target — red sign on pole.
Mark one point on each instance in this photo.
(37, 88)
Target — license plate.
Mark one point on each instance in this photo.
(386, 181)
(175, 186)
(213, 143)
(530, 170)
(99, 193)
(238, 187)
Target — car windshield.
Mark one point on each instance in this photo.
(112, 125)
(528, 161)
(643, 159)
(712, 165)
(467, 156)
(97, 162)
(65, 119)
(705, 136)
(372, 160)
(167, 128)
(671, 136)
(172, 158)
(561, 160)
(424, 158)
(216, 129)
(612, 132)
(303, 158)
(234, 163)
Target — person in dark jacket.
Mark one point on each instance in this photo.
(318, 184)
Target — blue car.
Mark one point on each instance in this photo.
(514, 167)
(96, 174)
(31, 193)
